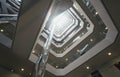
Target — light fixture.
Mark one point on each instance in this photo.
(109, 54)
(87, 67)
(33, 51)
(96, 13)
(12, 70)
(91, 40)
(56, 66)
(22, 69)
(106, 28)
(66, 59)
(2, 30)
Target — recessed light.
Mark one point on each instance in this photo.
(96, 13)
(106, 28)
(91, 40)
(2, 30)
(66, 59)
(87, 67)
(22, 69)
(109, 53)
(56, 66)
(12, 70)
(33, 51)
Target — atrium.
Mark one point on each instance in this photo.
(59, 38)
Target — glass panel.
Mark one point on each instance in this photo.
(64, 23)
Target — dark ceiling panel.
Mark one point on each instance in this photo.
(113, 9)
(99, 60)
(28, 27)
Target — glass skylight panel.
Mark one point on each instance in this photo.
(67, 24)
(62, 23)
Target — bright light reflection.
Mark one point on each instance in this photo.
(2, 30)
(62, 23)
(19, 0)
(33, 51)
(87, 67)
(109, 53)
(22, 69)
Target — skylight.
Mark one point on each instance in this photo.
(81, 32)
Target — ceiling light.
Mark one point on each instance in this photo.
(109, 53)
(33, 51)
(106, 28)
(91, 40)
(12, 70)
(66, 59)
(22, 69)
(2, 30)
(87, 67)
(56, 66)
(96, 13)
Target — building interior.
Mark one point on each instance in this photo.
(59, 38)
